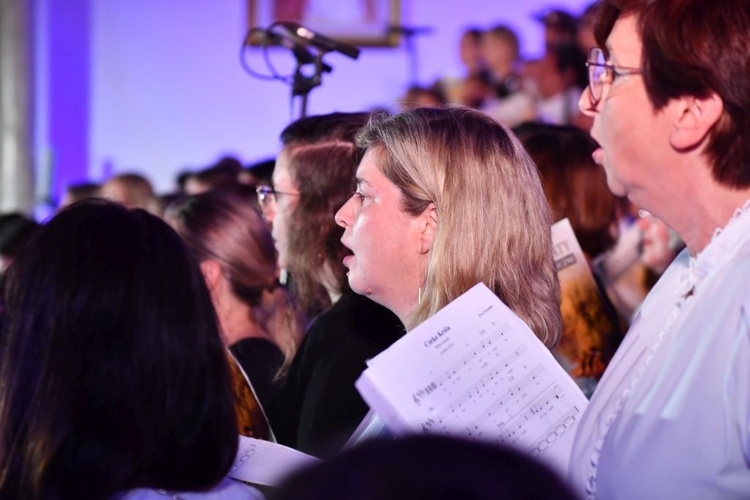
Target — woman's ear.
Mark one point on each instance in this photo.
(211, 273)
(696, 117)
(429, 222)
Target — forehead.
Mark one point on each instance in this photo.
(624, 42)
(469, 41)
(370, 165)
(282, 177)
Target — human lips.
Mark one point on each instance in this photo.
(349, 257)
(598, 154)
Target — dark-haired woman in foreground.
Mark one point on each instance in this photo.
(113, 380)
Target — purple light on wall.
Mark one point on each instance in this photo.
(68, 56)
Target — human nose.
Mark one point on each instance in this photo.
(341, 218)
(269, 212)
(586, 103)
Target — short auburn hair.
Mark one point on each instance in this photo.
(695, 48)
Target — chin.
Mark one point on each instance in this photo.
(615, 186)
(356, 284)
(356, 288)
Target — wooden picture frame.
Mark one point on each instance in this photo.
(364, 23)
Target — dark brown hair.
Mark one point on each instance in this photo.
(113, 373)
(575, 186)
(323, 159)
(226, 228)
(324, 175)
(221, 226)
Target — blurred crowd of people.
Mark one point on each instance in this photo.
(499, 82)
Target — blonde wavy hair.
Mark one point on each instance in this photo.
(493, 220)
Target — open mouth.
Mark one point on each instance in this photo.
(598, 154)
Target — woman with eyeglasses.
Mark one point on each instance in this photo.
(318, 406)
(669, 96)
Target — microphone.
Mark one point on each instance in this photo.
(301, 54)
(305, 36)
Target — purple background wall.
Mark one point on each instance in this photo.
(155, 86)
(63, 92)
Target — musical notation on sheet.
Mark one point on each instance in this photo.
(477, 371)
(495, 394)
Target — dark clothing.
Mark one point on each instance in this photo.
(260, 359)
(318, 407)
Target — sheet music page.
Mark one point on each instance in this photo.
(267, 463)
(477, 371)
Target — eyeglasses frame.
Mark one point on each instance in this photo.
(610, 69)
(267, 194)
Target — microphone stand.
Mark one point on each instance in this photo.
(411, 50)
(409, 33)
(299, 40)
(302, 84)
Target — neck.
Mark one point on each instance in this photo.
(405, 318)
(413, 292)
(238, 320)
(712, 208)
(329, 282)
(405, 308)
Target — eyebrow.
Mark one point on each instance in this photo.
(360, 180)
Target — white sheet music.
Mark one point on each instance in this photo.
(267, 463)
(477, 371)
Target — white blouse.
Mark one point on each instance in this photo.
(671, 416)
(227, 489)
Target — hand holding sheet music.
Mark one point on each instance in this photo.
(476, 370)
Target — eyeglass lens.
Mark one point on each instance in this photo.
(597, 70)
(266, 195)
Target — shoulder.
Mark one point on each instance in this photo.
(255, 345)
(355, 317)
(354, 328)
(257, 355)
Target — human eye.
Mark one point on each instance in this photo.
(359, 194)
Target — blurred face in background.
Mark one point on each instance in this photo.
(546, 78)
(470, 52)
(499, 54)
(279, 208)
